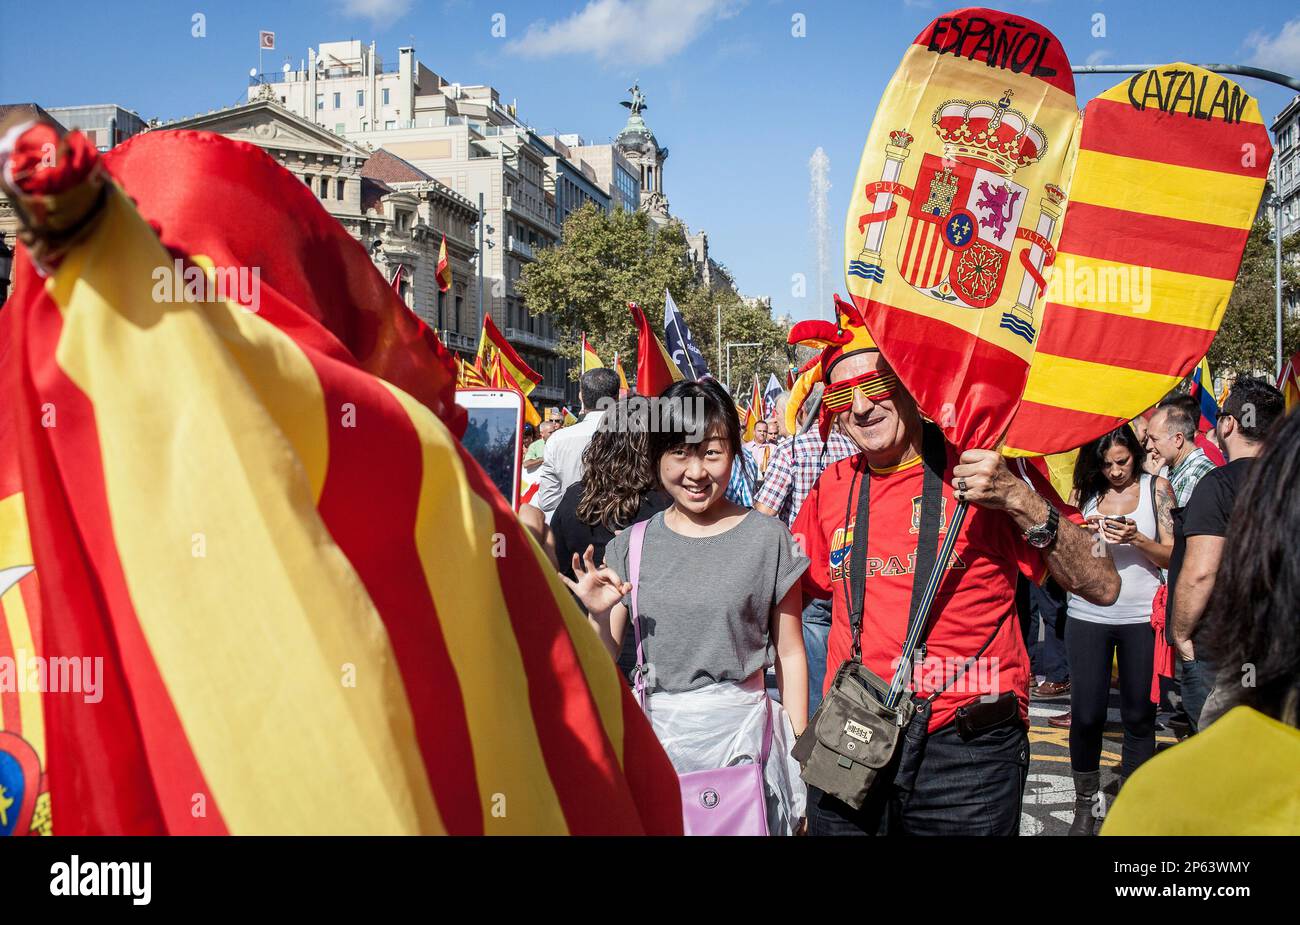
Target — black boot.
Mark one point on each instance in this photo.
(1086, 784)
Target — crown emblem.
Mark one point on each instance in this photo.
(900, 139)
(988, 131)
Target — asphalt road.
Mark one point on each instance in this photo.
(1049, 794)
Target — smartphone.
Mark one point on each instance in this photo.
(1118, 520)
(494, 436)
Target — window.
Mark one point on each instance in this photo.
(338, 126)
(338, 189)
(455, 321)
(442, 298)
(390, 124)
(385, 96)
(324, 187)
(338, 100)
(361, 97)
(320, 100)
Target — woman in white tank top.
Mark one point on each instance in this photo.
(1129, 513)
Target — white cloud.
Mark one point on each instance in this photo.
(636, 32)
(1098, 57)
(1279, 52)
(377, 11)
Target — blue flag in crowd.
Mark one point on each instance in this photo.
(677, 339)
(772, 392)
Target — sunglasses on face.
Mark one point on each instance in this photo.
(876, 386)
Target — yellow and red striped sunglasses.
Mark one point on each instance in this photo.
(876, 385)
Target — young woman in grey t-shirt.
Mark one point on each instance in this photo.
(718, 600)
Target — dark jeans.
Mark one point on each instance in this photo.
(816, 629)
(1048, 657)
(1093, 647)
(941, 786)
(1198, 681)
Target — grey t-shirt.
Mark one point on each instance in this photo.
(706, 602)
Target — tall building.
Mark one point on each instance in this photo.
(467, 140)
(1286, 131)
(107, 124)
(1286, 174)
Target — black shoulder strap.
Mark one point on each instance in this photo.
(934, 457)
(934, 452)
(858, 555)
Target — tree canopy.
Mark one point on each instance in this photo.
(606, 260)
(1245, 343)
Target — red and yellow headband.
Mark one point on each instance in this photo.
(845, 338)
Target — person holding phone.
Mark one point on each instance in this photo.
(1130, 514)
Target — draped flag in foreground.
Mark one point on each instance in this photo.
(24, 785)
(677, 340)
(590, 359)
(443, 271)
(1289, 382)
(252, 506)
(979, 182)
(655, 369)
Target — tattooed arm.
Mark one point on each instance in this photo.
(1159, 549)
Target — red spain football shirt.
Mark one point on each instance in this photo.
(978, 589)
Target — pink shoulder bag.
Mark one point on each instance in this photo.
(724, 801)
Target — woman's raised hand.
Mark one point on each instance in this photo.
(598, 587)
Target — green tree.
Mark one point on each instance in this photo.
(1245, 342)
(605, 261)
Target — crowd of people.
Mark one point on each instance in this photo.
(703, 561)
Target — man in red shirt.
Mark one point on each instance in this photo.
(944, 781)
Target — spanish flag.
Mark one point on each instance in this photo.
(755, 412)
(623, 388)
(655, 369)
(1289, 383)
(444, 267)
(493, 341)
(568, 417)
(253, 507)
(590, 359)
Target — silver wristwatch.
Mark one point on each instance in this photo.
(1044, 534)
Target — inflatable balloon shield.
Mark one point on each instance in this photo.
(961, 250)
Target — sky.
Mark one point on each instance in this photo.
(741, 92)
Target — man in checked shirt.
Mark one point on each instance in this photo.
(791, 473)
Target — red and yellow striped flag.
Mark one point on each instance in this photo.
(443, 271)
(1171, 165)
(24, 786)
(253, 510)
(623, 388)
(1289, 383)
(492, 340)
(590, 359)
(754, 413)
